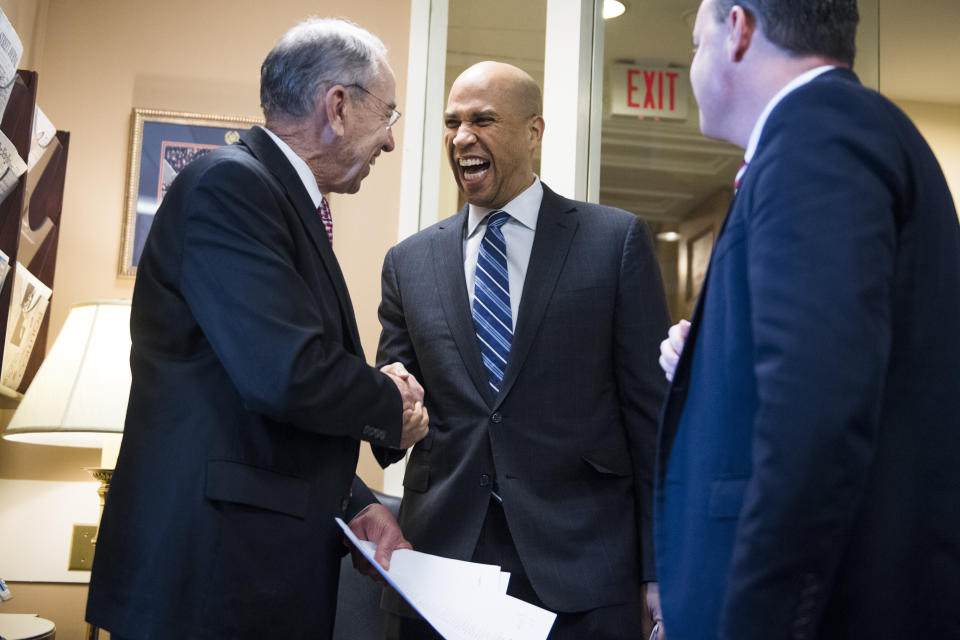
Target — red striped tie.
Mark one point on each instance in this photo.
(324, 211)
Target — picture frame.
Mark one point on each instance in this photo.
(699, 248)
(161, 144)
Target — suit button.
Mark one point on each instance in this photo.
(496, 418)
(484, 480)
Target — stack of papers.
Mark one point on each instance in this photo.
(461, 600)
(11, 49)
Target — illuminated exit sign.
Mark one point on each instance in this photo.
(649, 91)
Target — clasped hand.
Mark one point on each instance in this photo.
(416, 420)
(672, 347)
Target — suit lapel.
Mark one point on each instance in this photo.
(677, 391)
(556, 226)
(447, 247)
(267, 152)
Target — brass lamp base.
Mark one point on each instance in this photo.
(104, 476)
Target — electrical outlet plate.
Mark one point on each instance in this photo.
(81, 547)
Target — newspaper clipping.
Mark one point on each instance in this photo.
(43, 134)
(10, 51)
(12, 166)
(28, 305)
(4, 268)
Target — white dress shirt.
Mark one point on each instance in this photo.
(794, 84)
(518, 234)
(301, 167)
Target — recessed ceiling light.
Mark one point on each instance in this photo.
(612, 9)
(668, 236)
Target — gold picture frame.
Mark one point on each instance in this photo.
(161, 144)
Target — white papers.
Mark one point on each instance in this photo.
(4, 268)
(461, 600)
(12, 165)
(43, 134)
(10, 51)
(44, 139)
(28, 305)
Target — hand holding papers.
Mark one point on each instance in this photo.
(377, 525)
(461, 600)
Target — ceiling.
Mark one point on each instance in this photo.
(662, 170)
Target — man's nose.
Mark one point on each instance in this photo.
(464, 135)
(390, 145)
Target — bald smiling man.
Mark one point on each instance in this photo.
(533, 323)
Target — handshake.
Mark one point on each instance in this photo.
(415, 418)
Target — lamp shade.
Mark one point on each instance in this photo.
(80, 391)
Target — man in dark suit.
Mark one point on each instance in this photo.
(250, 391)
(807, 482)
(541, 450)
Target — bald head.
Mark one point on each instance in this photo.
(510, 83)
(493, 127)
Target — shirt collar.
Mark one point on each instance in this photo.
(300, 166)
(525, 208)
(796, 83)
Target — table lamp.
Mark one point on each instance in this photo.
(79, 396)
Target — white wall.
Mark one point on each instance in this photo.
(38, 514)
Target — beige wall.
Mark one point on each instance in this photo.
(98, 60)
(940, 125)
(61, 603)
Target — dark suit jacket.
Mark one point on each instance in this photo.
(249, 396)
(808, 481)
(570, 438)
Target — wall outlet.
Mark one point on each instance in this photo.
(81, 547)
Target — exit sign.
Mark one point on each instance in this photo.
(649, 91)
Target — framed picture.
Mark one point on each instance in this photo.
(699, 248)
(162, 144)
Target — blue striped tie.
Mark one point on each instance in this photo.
(491, 300)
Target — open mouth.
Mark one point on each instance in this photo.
(473, 169)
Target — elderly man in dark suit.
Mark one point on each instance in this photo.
(250, 391)
(807, 476)
(532, 322)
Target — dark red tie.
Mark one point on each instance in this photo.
(324, 211)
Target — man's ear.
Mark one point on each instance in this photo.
(742, 24)
(535, 128)
(335, 108)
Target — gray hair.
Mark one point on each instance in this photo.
(804, 27)
(312, 57)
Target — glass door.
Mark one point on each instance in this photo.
(502, 30)
(653, 161)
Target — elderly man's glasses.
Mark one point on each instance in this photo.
(394, 114)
